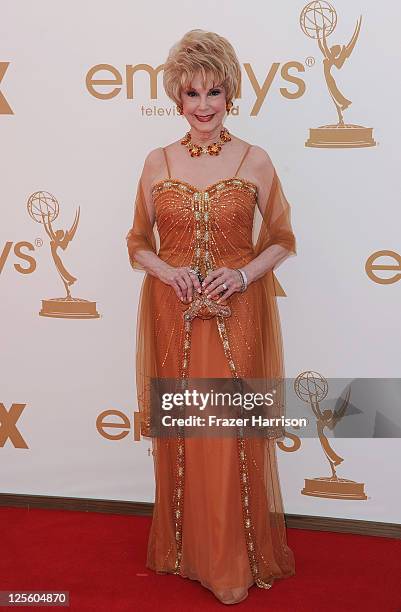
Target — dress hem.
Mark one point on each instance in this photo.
(271, 580)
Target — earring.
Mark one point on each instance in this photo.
(179, 109)
(229, 106)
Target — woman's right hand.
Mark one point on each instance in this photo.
(182, 281)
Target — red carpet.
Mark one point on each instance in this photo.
(99, 558)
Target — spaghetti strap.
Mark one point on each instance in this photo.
(242, 159)
(165, 157)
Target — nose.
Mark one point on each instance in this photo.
(203, 102)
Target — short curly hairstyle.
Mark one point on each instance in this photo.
(204, 52)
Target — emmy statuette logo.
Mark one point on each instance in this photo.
(318, 20)
(312, 388)
(44, 208)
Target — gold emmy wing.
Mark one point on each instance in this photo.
(218, 514)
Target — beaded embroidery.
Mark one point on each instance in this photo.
(218, 185)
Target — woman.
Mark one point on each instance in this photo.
(208, 310)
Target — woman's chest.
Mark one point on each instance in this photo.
(225, 205)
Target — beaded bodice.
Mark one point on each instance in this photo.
(206, 228)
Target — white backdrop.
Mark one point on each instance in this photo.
(61, 136)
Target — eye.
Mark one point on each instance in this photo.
(213, 92)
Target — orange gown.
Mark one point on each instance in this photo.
(218, 514)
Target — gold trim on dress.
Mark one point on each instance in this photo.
(218, 185)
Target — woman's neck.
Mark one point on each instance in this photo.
(205, 138)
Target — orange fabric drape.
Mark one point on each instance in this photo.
(218, 546)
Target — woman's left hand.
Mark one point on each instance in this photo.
(223, 281)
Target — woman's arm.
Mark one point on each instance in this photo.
(141, 234)
(147, 259)
(271, 257)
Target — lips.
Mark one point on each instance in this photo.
(204, 118)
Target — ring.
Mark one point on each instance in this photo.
(192, 271)
(224, 286)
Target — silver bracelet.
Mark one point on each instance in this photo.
(244, 279)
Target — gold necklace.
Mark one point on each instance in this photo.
(196, 150)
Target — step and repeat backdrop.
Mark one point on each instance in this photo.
(81, 104)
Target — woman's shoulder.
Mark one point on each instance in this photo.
(154, 164)
(258, 156)
(259, 168)
(154, 157)
(157, 157)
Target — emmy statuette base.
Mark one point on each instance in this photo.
(340, 136)
(337, 488)
(69, 308)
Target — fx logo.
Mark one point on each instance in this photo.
(5, 108)
(8, 426)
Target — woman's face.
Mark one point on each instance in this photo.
(204, 107)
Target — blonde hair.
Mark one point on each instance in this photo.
(204, 52)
